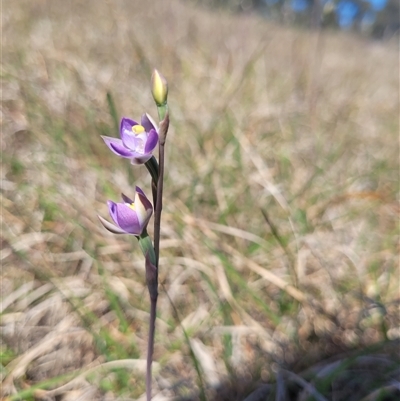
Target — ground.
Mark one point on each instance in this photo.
(279, 247)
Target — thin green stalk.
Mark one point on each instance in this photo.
(160, 184)
(152, 167)
(158, 210)
(147, 247)
(150, 345)
(152, 269)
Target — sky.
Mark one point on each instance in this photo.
(346, 10)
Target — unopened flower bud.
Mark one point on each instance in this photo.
(159, 88)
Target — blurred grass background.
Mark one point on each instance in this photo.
(280, 224)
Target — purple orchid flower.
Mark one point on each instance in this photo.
(137, 140)
(130, 217)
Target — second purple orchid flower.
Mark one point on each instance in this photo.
(130, 216)
(137, 140)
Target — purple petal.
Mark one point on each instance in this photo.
(140, 159)
(152, 141)
(126, 199)
(148, 123)
(130, 139)
(143, 207)
(112, 207)
(143, 198)
(140, 191)
(117, 147)
(126, 124)
(125, 217)
(111, 227)
(143, 215)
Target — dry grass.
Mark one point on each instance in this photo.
(301, 126)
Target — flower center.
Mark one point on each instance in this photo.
(132, 206)
(138, 129)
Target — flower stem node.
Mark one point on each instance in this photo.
(159, 88)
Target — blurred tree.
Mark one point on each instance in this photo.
(380, 18)
(387, 22)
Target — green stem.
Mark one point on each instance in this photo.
(154, 256)
(152, 284)
(162, 111)
(152, 167)
(152, 270)
(146, 247)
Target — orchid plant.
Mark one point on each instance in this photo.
(137, 144)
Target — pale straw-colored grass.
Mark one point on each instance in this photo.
(302, 126)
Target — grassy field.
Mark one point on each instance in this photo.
(280, 235)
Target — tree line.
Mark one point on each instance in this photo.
(377, 18)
